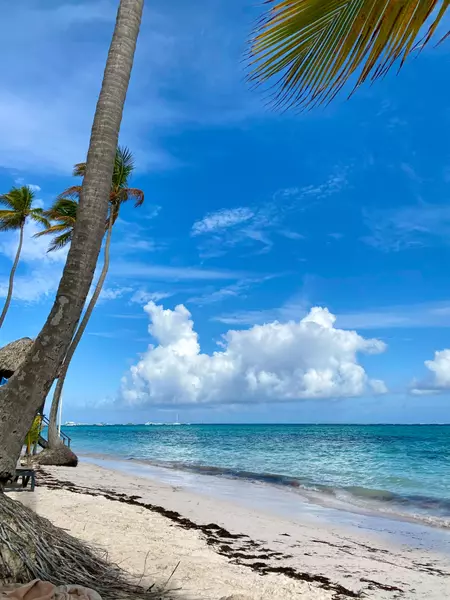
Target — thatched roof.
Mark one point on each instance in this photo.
(12, 356)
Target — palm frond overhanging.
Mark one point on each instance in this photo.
(61, 219)
(313, 47)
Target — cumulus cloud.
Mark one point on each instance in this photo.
(439, 377)
(308, 359)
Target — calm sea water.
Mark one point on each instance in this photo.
(403, 469)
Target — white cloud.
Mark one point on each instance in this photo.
(309, 359)
(222, 219)
(33, 249)
(143, 297)
(114, 293)
(175, 80)
(291, 235)
(169, 273)
(39, 271)
(408, 227)
(226, 229)
(431, 314)
(439, 378)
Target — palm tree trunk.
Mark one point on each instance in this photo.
(26, 390)
(11, 277)
(53, 437)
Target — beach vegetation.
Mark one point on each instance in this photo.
(18, 207)
(23, 395)
(311, 49)
(64, 211)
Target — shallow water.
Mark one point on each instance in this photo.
(397, 469)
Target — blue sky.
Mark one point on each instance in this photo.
(251, 217)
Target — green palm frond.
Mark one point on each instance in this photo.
(123, 168)
(10, 220)
(313, 47)
(63, 208)
(18, 199)
(120, 193)
(38, 216)
(60, 241)
(51, 229)
(79, 170)
(60, 218)
(71, 193)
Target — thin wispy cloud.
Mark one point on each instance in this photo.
(41, 109)
(233, 291)
(170, 273)
(252, 228)
(408, 227)
(143, 296)
(222, 219)
(423, 315)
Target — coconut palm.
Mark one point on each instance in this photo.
(61, 216)
(18, 203)
(23, 395)
(66, 206)
(313, 47)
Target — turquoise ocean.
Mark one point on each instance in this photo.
(402, 470)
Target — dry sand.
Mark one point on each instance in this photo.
(226, 550)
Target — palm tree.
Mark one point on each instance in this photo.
(24, 394)
(64, 211)
(18, 203)
(313, 47)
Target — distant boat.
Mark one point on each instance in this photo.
(177, 422)
(70, 424)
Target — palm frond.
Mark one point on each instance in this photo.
(72, 193)
(51, 229)
(315, 46)
(79, 170)
(60, 241)
(123, 168)
(38, 215)
(10, 220)
(63, 208)
(18, 198)
(136, 194)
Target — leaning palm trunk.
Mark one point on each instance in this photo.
(11, 278)
(23, 395)
(53, 436)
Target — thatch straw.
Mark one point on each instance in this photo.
(13, 355)
(33, 548)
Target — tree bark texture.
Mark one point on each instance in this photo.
(26, 390)
(53, 437)
(11, 277)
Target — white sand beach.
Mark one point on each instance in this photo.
(226, 549)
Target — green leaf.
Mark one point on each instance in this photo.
(313, 48)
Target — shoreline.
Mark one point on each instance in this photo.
(280, 497)
(261, 554)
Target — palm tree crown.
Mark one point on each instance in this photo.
(120, 192)
(18, 207)
(63, 213)
(315, 46)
